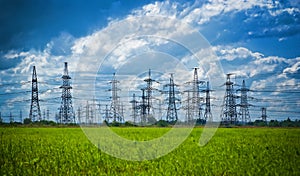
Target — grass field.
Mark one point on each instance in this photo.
(232, 151)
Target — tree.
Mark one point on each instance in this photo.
(27, 121)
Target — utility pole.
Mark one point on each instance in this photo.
(35, 111)
(66, 113)
(229, 114)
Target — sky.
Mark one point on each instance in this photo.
(256, 40)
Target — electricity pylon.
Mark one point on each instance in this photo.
(194, 99)
(66, 114)
(115, 107)
(172, 100)
(264, 114)
(244, 105)
(134, 108)
(35, 111)
(229, 114)
(207, 113)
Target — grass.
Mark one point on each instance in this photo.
(232, 151)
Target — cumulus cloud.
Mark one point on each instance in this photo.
(230, 53)
(295, 68)
(129, 38)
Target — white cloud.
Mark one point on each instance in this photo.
(198, 12)
(293, 69)
(229, 53)
(14, 54)
(290, 11)
(120, 40)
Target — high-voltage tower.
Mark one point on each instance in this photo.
(147, 106)
(66, 114)
(115, 107)
(207, 112)
(172, 100)
(229, 114)
(143, 108)
(35, 111)
(134, 103)
(264, 114)
(194, 100)
(244, 105)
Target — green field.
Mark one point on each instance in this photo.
(232, 151)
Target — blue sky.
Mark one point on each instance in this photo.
(258, 40)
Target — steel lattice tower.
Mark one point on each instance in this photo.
(264, 114)
(195, 101)
(79, 115)
(106, 114)
(188, 116)
(207, 112)
(244, 110)
(143, 107)
(149, 89)
(35, 111)
(134, 108)
(66, 114)
(229, 114)
(172, 110)
(115, 107)
(196, 97)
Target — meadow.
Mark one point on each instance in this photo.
(231, 151)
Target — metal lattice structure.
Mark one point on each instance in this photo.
(229, 113)
(188, 108)
(193, 108)
(172, 100)
(149, 89)
(143, 108)
(207, 112)
(264, 114)
(115, 107)
(66, 113)
(35, 111)
(134, 103)
(79, 115)
(244, 105)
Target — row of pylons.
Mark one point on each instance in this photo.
(142, 111)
